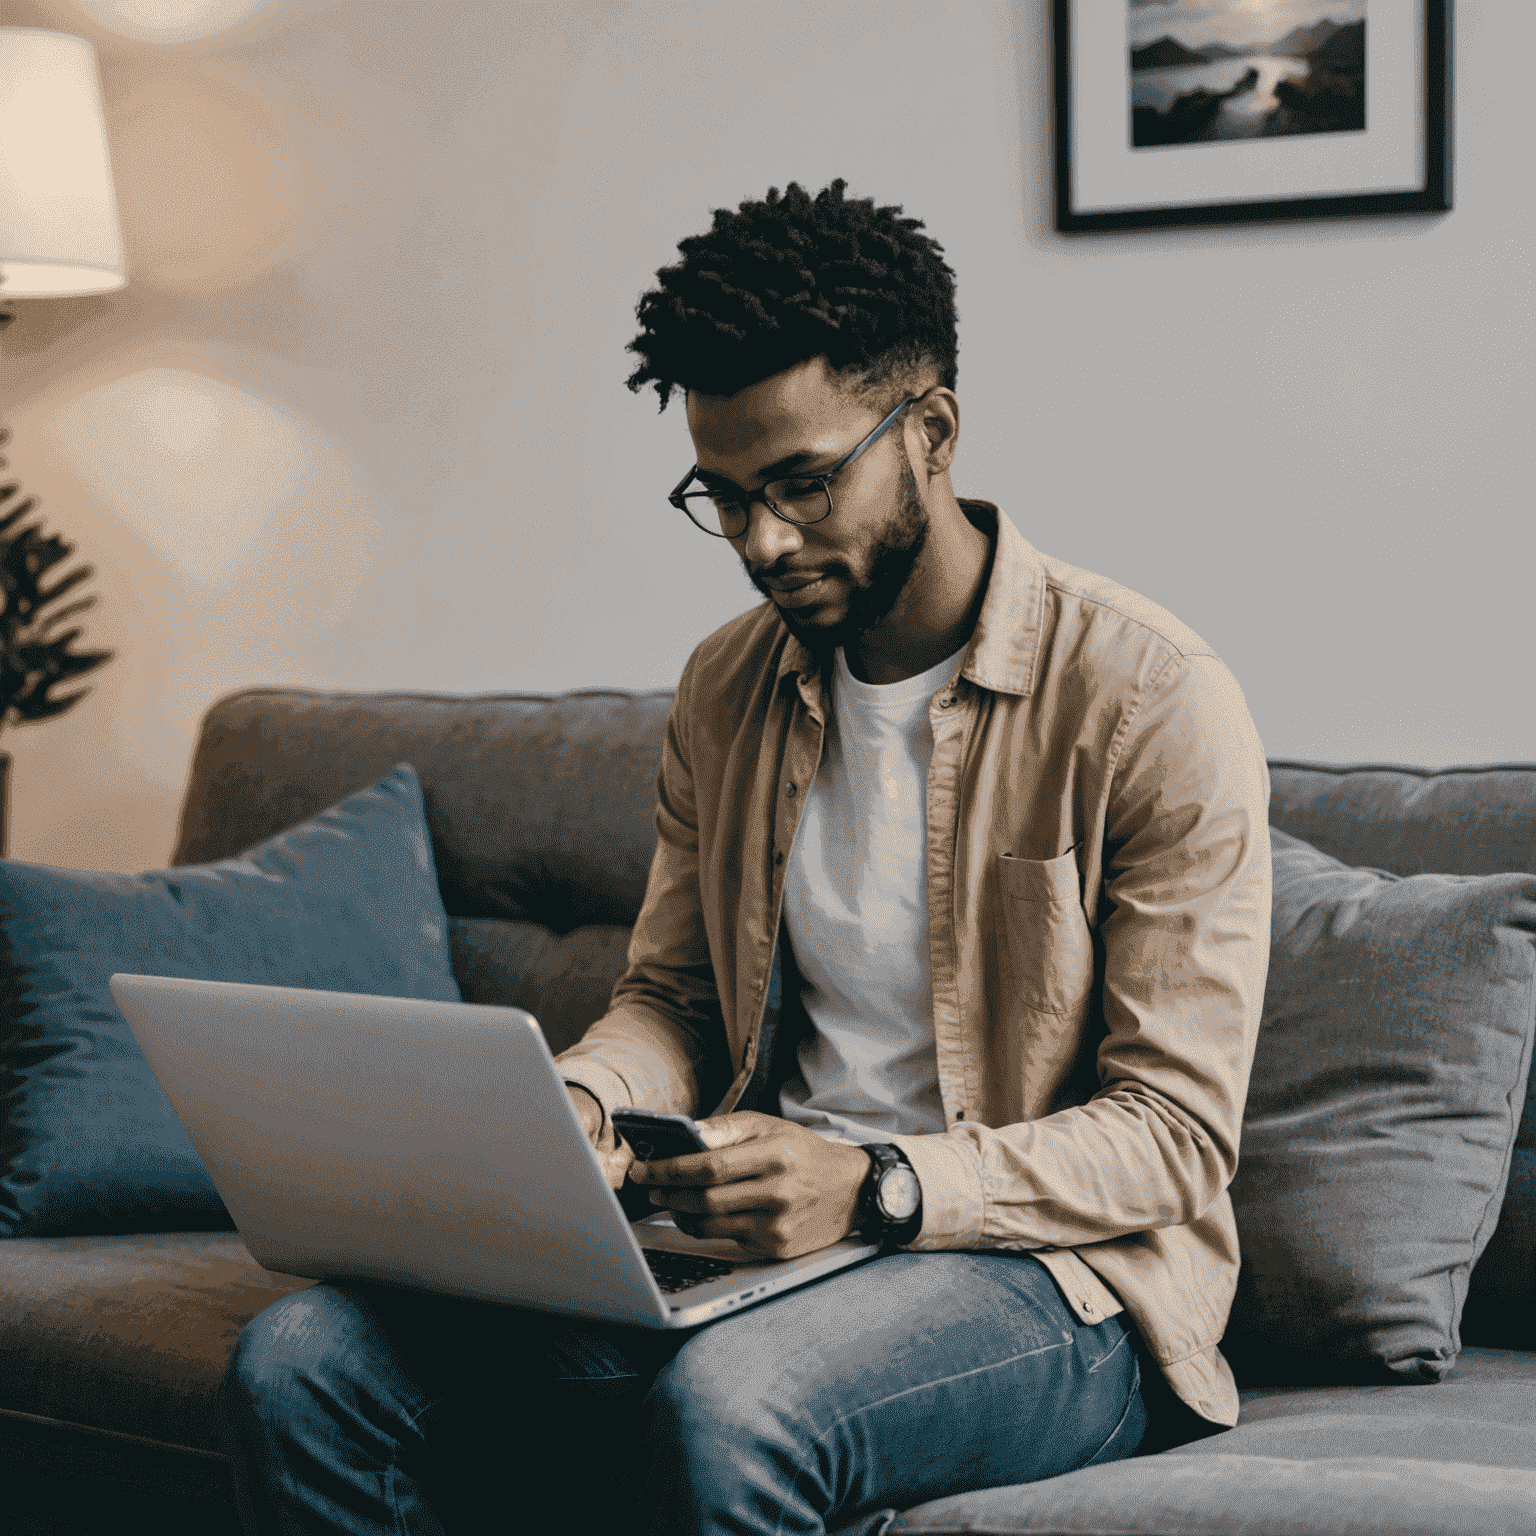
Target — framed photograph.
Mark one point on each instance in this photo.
(1229, 111)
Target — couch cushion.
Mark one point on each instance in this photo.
(1389, 1079)
(345, 901)
(127, 1334)
(542, 808)
(1454, 1459)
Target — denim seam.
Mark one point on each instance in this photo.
(393, 1463)
(922, 1386)
(393, 1499)
(426, 1408)
(1124, 1339)
(1125, 1414)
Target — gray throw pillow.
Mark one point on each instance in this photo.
(1387, 1086)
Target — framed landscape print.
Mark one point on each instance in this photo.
(1228, 111)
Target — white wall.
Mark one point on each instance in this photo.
(359, 421)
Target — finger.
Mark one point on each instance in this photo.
(749, 1160)
(690, 1168)
(742, 1125)
(686, 1167)
(716, 1199)
(736, 1229)
(724, 1131)
(615, 1164)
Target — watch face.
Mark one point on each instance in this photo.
(899, 1193)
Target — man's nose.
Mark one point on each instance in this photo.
(768, 537)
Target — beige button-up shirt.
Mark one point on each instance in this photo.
(1098, 900)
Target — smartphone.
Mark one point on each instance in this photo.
(654, 1133)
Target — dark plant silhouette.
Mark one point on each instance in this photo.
(35, 658)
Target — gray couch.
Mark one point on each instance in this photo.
(540, 810)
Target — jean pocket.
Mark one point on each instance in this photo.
(1045, 944)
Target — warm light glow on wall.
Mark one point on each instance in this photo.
(170, 21)
(231, 534)
(211, 188)
(195, 466)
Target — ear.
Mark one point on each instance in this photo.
(933, 431)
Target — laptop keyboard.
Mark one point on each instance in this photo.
(680, 1271)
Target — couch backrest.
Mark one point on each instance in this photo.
(542, 808)
(1412, 821)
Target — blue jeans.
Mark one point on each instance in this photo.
(367, 1409)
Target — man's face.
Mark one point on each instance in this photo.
(835, 580)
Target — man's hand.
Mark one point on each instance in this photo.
(613, 1152)
(777, 1188)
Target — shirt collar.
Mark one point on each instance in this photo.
(1005, 644)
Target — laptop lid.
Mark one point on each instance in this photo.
(381, 1138)
(413, 1142)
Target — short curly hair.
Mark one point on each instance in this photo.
(790, 278)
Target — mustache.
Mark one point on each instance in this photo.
(779, 571)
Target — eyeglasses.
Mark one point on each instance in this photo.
(800, 499)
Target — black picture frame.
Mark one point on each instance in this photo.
(1433, 196)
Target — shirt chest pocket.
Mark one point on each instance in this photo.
(1044, 943)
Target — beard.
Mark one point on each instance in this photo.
(893, 558)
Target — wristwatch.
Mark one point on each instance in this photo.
(890, 1199)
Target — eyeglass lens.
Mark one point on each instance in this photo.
(797, 501)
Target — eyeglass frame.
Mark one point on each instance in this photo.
(824, 475)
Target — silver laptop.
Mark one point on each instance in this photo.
(424, 1144)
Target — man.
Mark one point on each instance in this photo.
(956, 933)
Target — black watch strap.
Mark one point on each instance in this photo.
(873, 1221)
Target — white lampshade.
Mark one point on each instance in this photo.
(59, 232)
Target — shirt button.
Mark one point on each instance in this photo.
(1088, 1308)
(789, 789)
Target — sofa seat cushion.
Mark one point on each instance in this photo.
(1455, 1458)
(127, 1334)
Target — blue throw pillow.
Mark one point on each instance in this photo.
(346, 901)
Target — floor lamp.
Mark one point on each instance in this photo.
(59, 236)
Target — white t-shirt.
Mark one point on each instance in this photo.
(856, 905)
